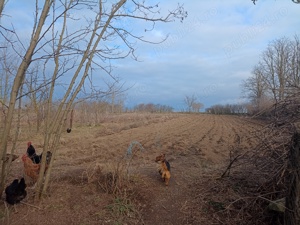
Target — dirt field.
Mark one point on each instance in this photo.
(81, 190)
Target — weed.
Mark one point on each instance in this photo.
(117, 223)
(2, 214)
(121, 207)
(114, 179)
(217, 206)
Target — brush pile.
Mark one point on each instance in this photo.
(258, 182)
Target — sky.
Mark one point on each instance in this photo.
(207, 56)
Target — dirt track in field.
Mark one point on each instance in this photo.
(196, 146)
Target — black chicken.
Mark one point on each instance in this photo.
(16, 191)
(32, 154)
(30, 149)
(36, 159)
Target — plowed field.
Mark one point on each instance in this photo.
(197, 147)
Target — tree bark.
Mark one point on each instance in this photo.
(2, 3)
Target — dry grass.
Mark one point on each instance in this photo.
(106, 174)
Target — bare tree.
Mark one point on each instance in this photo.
(196, 107)
(192, 104)
(277, 74)
(274, 63)
(293, 80)
(37, 93)
(18, 80)
(255, 89)
(8, 69)
(189, 102)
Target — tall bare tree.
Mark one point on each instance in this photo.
(255, 89)
(7, 71)
(293, 80)
(274, 63)
(192, 104)
(35, 37)
(277, 74)
(189, 102)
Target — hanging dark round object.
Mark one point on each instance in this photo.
(69, 130)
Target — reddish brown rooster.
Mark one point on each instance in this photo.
(32, 162)
(31, 169)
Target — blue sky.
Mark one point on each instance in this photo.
(208, 55)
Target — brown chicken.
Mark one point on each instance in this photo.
(31, 169)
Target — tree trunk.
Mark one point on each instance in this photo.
(292, 213)
(2, 3)
(15, 90)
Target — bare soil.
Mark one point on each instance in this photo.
(197, 147)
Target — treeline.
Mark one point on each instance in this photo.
(228, 109)
(150, 107)
(99, 107)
